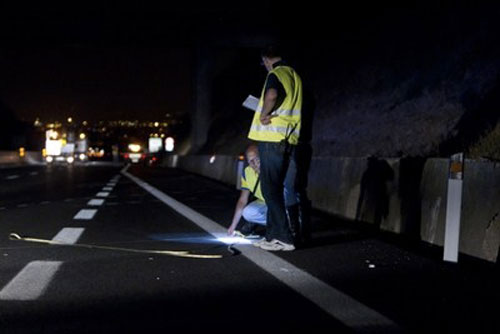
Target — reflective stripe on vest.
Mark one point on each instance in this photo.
(288, 113)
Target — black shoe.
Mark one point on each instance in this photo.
(247, 228)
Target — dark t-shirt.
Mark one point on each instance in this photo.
(273, 82)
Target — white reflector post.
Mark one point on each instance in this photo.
(453, 208)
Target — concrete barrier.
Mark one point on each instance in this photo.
(405, 196)
(9, 157)
(12, 158)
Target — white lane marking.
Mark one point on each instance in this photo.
(12, 177)
(69, 235)
(85, 214)
(45, 202)
(107, 188)
(95, 202)
(342, 307)
(34, 173)
(111, 184)
(102, 194)
(31, 282)
(22, 205)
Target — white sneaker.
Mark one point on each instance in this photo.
(276, 245)
(259, 242)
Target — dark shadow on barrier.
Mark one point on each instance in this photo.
(303, 156)
(373, 203)
(410, 177)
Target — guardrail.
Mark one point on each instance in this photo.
(406, 196)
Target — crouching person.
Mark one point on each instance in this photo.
(255, 212)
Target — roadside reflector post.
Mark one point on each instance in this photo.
(453, 208)
(239, 173)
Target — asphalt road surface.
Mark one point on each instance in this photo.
(109, 277)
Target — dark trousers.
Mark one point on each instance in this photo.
(274, 163)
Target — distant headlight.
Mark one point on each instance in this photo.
(134, 147)
(49, 159)
(70, 160)
(82, 156)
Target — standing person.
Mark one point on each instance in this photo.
(276, 128)
(254, 213)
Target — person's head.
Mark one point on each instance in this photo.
(270, 55)
(253, 159)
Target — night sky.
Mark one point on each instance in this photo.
(94, 82)
(115, 60)
(99, 61)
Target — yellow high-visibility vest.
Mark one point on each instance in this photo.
(288, 112)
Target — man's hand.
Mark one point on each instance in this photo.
(266, 119)
(230, 231)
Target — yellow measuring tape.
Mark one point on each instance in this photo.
(15, 236)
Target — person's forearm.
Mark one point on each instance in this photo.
(268, 106)
(238, 212)
(269, 103)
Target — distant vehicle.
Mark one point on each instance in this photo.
(57, 149)
(135, 154)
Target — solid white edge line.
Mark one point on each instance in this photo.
(31, 282)
(342, 307)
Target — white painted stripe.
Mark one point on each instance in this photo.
(69, 235)
(95, 202)
(85, 214)
(102, 194)
(107, 188)
(31, 282)
(339, 305)
(111, 184)
(12, 177)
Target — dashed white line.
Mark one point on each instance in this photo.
(69, 235)
(95, 202)
(107, 188)
(85, 214)
(31, 282)
(102, 194)
(12, 177)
